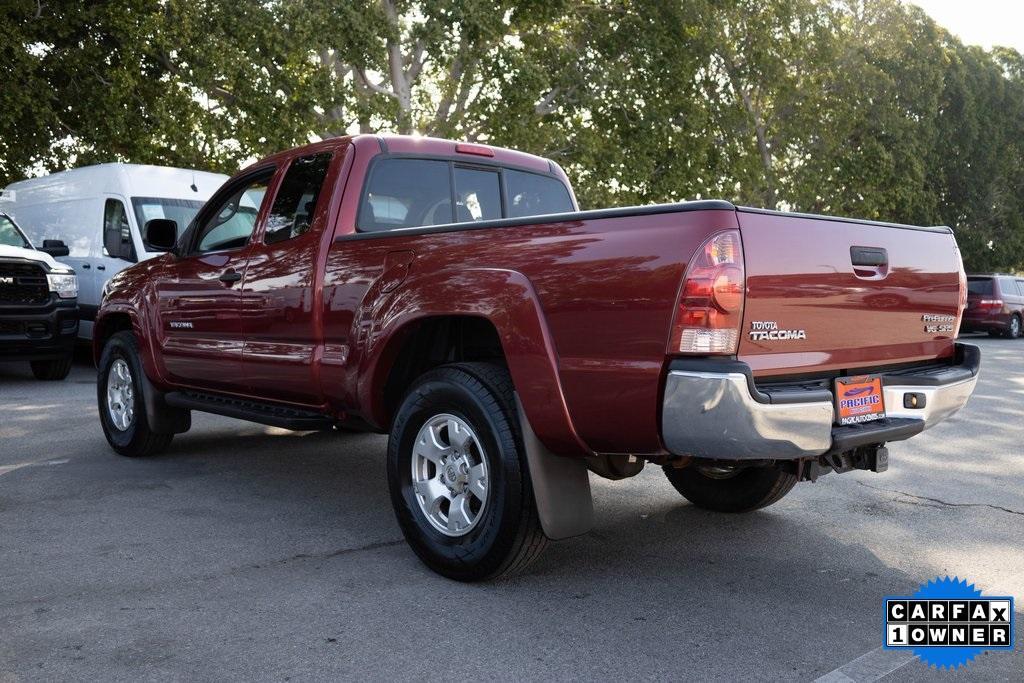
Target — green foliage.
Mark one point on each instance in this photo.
(857, 107)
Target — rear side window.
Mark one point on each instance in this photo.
(982, 287)
(530, 194)
(1007, 287)
(296, 201)
(406, 193)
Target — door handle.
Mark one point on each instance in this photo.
(874, 257)
(86, 266)
(869, 263)
(101, 267)
(230, 277)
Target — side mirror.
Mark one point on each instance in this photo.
(55, 248)
(161, 234)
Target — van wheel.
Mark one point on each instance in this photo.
(51, 370)
(119, 395)
(724, 489)
(1015, 328)
(458, 476)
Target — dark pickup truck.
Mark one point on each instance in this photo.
(453, 296)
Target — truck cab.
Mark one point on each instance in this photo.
(38, 304)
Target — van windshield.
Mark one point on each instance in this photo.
(181, 211)
(10, 236)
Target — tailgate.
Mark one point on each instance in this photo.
(832, 294)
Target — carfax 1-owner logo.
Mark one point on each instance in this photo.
(948, 622)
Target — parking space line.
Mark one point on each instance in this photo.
(7, 469)
(869, 667)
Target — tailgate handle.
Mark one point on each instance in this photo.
(873, 257)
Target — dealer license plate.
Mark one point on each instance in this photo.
(859, 399)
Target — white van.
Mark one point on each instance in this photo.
(100, 212)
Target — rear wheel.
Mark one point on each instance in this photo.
(51, 370)
(1014, 330)
(119, 394)
(458, 476)
(731, 489)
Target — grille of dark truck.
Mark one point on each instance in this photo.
(22, 284)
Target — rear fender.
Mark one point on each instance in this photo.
(504, 297)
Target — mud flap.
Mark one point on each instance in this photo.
(561, 487)
(162, 418)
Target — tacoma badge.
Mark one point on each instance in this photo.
(768, 330)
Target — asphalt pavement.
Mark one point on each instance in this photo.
(257, 554)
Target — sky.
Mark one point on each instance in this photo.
(980, 22)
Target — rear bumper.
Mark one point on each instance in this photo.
(712, 409)
(41, 333)
(994, 321)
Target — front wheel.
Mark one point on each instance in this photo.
(458, 475)
(119, 394)
(51, 370)
(731, 489)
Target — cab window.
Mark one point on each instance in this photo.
(10, 236)
(232, 222)
(532, 194)
(477, 195)
(406, 193)
(296, 201)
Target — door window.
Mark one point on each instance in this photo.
(231, 226)
(117, 234)
(296, 201)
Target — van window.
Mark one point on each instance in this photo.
(981, 286)
(231, 226)
(10, 236)
(406, 193)
(296, 201)
(117, 234)
(1007, 287)
(477, 195)
(531, 194)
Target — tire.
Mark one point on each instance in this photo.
(132, 437)
(51, 370)
(745, 490)
(503, 535)
(1015, 329)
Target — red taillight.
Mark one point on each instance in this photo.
(711, 300)
(962, 302)
(991, 303)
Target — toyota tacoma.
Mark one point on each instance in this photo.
(454, 297)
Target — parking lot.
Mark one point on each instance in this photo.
(252, 553)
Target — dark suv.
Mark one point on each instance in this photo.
(995, 304)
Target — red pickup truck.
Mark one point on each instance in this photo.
(453, 296)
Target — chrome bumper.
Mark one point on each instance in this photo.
(720, 414)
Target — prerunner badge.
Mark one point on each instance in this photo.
(948, 622)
